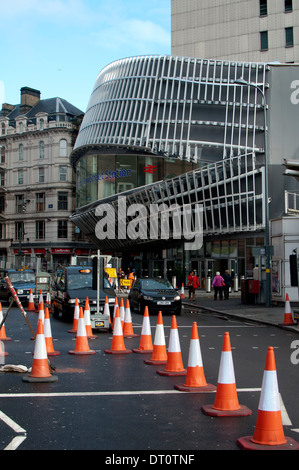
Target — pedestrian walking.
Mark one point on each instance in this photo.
(228, 283)
(193, 283)
(218, 283)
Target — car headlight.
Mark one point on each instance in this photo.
(147, 297)
(20, 291)
(71, 301)
(177, 297)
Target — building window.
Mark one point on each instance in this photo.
(3, 129)
(62, 229)
(19, 231)
(41, 149)
(2, 178)
(20, 177)
(263, 8)
(21, 152)
(41, 175)
(63, 148)
(264, 40)
(40, 202)
(21, 127)
(19, 203)
(2, 231)
(41, 124)
(289, 37)
(288, 5)
(62, 173)
(40, 229)
(62, 201)
(2, 204)
(2, 154)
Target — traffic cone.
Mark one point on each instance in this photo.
(288, 316)
(40, 371)
(182, 295)
(174, 364)
(268, 433)
(48, 301)
(87, 320)
(226, 402)
(195, 380)
(3, 336)
(41, 311)
(114, 311)
(145, 344)
(122, 311)
(48, 335)
(82, 346)
(128, 331)
(118, 344)
(107, 309)
(159, 355)
(40, 299)
(2, 350)
(31, 306)
(76, 317)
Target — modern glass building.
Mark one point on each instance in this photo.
(180, 130)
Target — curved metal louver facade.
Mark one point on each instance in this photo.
(175, 106)
(190, 109)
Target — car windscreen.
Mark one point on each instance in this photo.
(83, 280)
(22, 277)
(156, 284)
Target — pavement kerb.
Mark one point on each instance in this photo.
(242, 317)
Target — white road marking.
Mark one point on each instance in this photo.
(16, 441)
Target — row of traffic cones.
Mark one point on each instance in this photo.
(268, 432)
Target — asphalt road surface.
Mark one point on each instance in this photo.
(117, 403)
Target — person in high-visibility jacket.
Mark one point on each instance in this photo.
(131, 277)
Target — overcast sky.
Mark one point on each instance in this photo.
(60, 46)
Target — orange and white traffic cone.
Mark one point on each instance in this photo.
(48, 301)
(48, 335)
(107, 309)
(226, 401)
(41, 311)
(40, 371)
(82, 346)
(145, 344)
(87, 320)
(288, 316)
(128, 331)
(31, 306)
(122, 311)
(3, 336)
(182, 295)
(40, 299)
(195, 380)
(75, 317)
(114, 310)
(159, 355)
(118, 344)
(268, 433)
(174, 364)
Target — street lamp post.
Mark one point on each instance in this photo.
(243, 82)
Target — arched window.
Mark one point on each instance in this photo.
(63, 148)
(41, 124)
(21, 127)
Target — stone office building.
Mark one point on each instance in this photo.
(37, 185)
